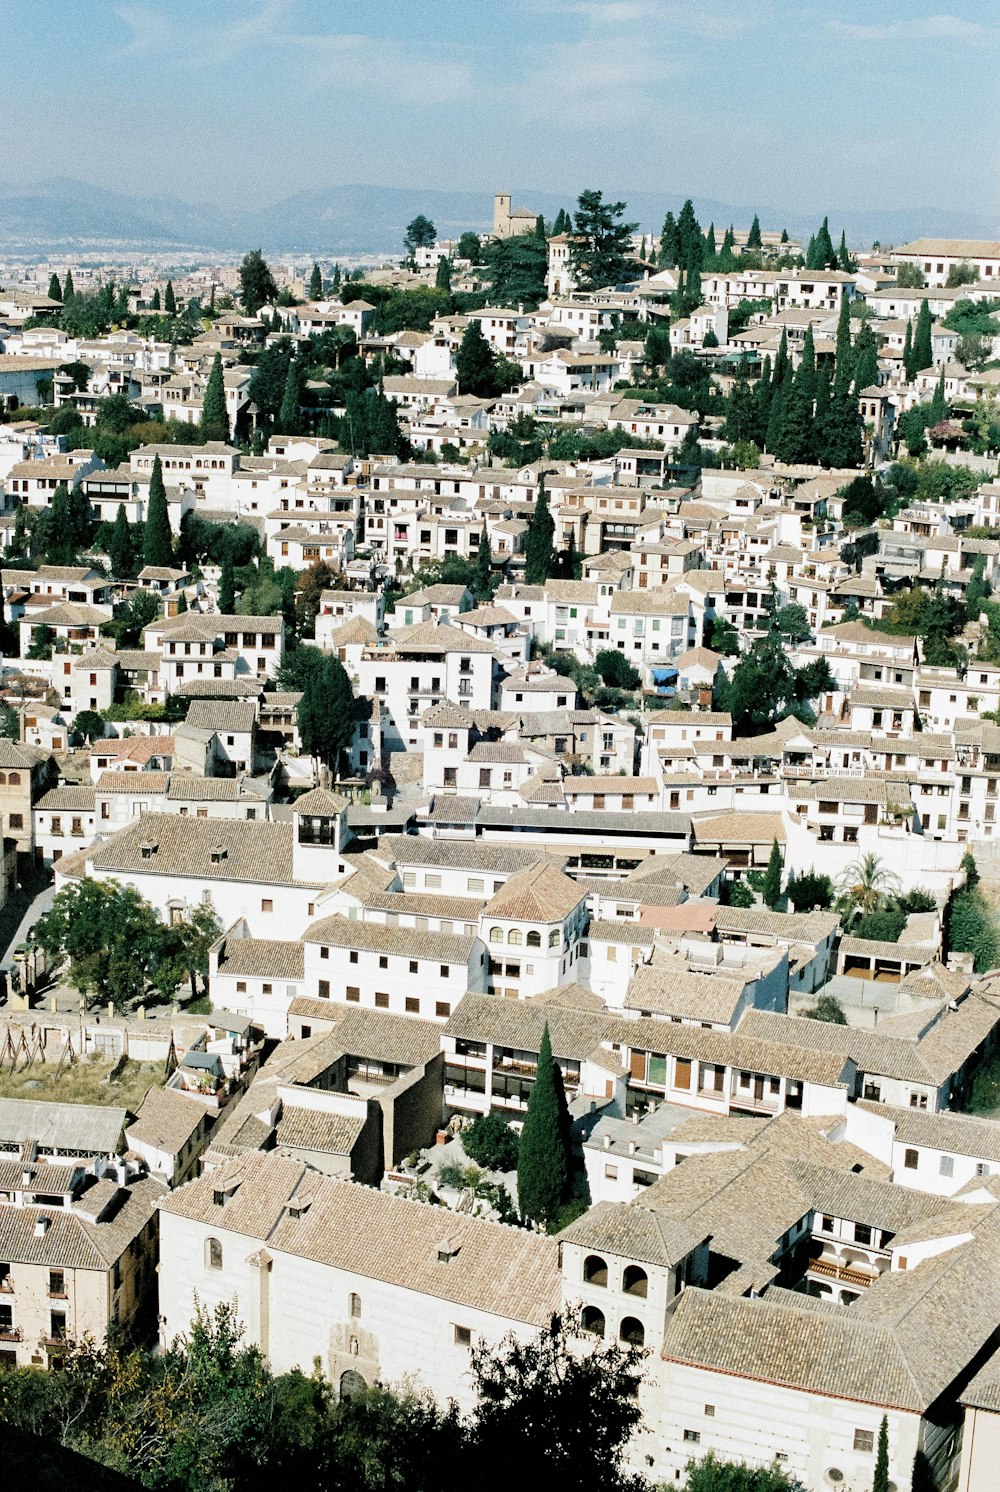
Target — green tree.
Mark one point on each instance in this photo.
(483, 585)
(490, 1142)
(971, 869)
(55, 289)
(669, 243)
(157, 543)
(572, 1412)
(227, 586)
(288, 414)
(154, 304)
(754, 240)
(544, 1163)
(827, 1008)
(794, 442)
(516, 269)
(214, 416)
(170, 300)
(909, 367)
(939, 405)
(316, 283)
(475, 363)
(910, 277)
(807, 890)
(772, 877)
(324, 713)
(69, 290)
(469, 247)
(844, 260)
(257, 283)
(880, 1476)
(711, 1474)
(602, 242)
(420, 234)
(121, 550)
(442, 277)
(539, 554)
(962, 273)
(865, 882)
(923, 352)
(616, 671)
(972, 928)
(562, 224)
(111, 936)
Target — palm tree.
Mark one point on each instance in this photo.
(865, 882)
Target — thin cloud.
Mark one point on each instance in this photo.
(918, 28)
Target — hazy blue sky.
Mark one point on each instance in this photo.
(808, 106)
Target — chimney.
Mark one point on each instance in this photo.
(42, 1225)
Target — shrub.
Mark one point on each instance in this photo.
(827, 1008)
(491, 1142)
(809, 890)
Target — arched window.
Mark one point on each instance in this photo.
(496, 934)
(213, 1253)
(634, 1281)
(534, 940)
(554, 938)
(632, 1332)
(354, 1304)
(514, 937)
(3, 778)
(595, 1270)
(351, 1383)
(592, 1321)
(14, 778)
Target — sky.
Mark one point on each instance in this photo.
(810, 106)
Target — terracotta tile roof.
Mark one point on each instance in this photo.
(540, 894)
(403, 942)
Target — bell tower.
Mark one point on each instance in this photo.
(501, 215)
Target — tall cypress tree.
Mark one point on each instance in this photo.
(844, 260)
(539, 555)
(214, 416)
(157, 544)
(908, 352)
(843, 362)
(316, 283)
(710, 242)
(227, 584)
(288, 414)
(772, 877)
(154, 304)
(544, 1161)
(540, 227)
(169, 299)
(795, 438)
(669, 243)
(688, 229)
(781, 364)
(939, 405)
(55, 289)
(923, 351)
(754, 240)
(865, 359)
(880, 1476)
(442, 277)
(482, 585)
(121, 551)
(69, 289)
(762, 391)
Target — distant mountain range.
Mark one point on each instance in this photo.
(63, 214)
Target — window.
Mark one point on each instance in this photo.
(352, 957)
(354, 1305)
(862, 1233)
(632, 1331)
(412, 1005)
(864, 1440)
(16, 821)
(595, 1271)
(611, 1173)
(324, 989)
(911, 1159)
(693, 1437)
(266, 904)
(496, 934)
(534, 940)
(57, 1282)
(352, 993)
(213, 1253)
(710, 1411)
(442, 1009)
(463, 1336)
(635, 1281)
(381, 1000)
(514, 937)
(592, 1321)
(554, 939)
(383, 962)
(946, 1166)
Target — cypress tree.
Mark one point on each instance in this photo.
(729, 241)
(169, 299)
(539, 555)
(710, 242)
(154, 304)
(939, 406)
(880, 1476)
(826, 254)
(908, 352)
(214, 416)
(843, 362)
(688, 229)
(811, 254)
(795, 438)
(69, 289)
(316, 283)
(335, 282)
(55, 289)
(772, 877)
(121, 551)
(540, 227)
(211, 302)
(754, 240)
(762, 392)
(227, 584)
(865, 359)
(474, 363)
(781, 364)
(59, 548)
(543, 1160)
(776, 416)
(288, 414)
(442, 279)
(157, 544)
(844, 261)
(482, 585)
(923, 352)
(669, 243)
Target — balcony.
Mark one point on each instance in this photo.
(844, 1274)
(11, 1334)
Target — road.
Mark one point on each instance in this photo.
(19, 913)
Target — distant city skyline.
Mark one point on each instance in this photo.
(806, 107)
